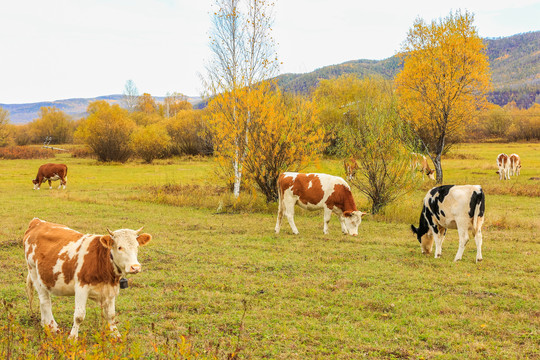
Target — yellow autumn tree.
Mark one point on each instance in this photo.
(284, 134)
(150, 142)
(146, 104)
(107, 131)
(443, 82)
(52, 123)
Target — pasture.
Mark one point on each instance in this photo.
(220, 277)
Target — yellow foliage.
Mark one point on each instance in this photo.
(444, 79)
(106, 131)
(54, 123)
(268, 132)
(150, 142)
(146, 104)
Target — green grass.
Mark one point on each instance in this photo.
(306, 296)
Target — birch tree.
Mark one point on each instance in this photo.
(242, 55)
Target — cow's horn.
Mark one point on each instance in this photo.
(138, 231)
(110, 232)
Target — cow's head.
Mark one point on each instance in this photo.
(352, 220)
(431, 174)
(124, 245)
(35, 182)
(425, 239)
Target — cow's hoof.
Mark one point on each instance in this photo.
(479, 260)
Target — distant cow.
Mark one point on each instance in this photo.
(451, 206)
(51, 172)
(503, 163)
(314, 192)
(420, 163)
(351, 166)
(62, 261)
(515, 164)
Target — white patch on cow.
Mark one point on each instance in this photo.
(310, 184)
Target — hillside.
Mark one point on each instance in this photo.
(24, 113)
(514, 60)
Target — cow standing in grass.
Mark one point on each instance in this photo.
(420, 163)
(51, 172)
(315, 192)
(62, 261)
(351, 166)
(515, 164)
(450, 207)
(503, 163)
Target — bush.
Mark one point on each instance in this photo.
(150, 142)
(107, 131)
(189, 133)
(25, 152)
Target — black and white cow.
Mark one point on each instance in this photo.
(451, 206)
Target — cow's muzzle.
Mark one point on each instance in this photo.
(133, 269)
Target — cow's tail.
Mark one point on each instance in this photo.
(30, 291)
(478, 206)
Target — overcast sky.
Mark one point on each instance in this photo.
(58, 49)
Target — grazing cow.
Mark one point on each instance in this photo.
(515, 164)
(503, 162)
(420, 163)
(51, 172)
(62, 261)
(451, 206)
(351, 166)
(314, 192)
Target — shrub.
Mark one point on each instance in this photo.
(150, 142)
(25, 152)
(107, 131)
(189, 133)
(52, 123)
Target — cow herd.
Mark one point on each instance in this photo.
(508, 165)
(62, 261)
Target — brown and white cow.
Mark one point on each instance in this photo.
(420, 163)
(458, 207)
(515, 164)
(51, 172)
(351, 166)
(503, 163)
(314, 192)
(62, 261)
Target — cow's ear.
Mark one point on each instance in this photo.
(144, 239)
(414, 230)
(362, 213)
(106, 241)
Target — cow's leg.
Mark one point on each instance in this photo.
(109, 314)
(477, 232)
(289, 214)
(50, 184)
(327, 216)
(438, 239)
(64, 182)
(81, 296)
(279, 215)
(45, 305)
(463, 240)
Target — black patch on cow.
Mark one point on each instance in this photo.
(443, 214)
(438, 194)
(477, 198)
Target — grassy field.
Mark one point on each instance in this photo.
(221, 279)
